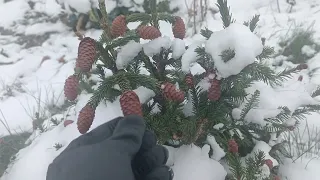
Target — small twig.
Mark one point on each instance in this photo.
(5, 123)
(278, 5)
(310, 161)
(194, 17)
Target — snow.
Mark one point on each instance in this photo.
(308, 50)
(30, 85)
(154, 46)
(188, 107)
(42, 28)
(204, 84)
(17, 10)
(127, 53)
(236, 113)
(292, 96)
(238, 37)
(264, 147)
(218, 152)
(178, 48)
(218, 126)
(82, 6)
(187, 161)
(189, 57)
(144, 94)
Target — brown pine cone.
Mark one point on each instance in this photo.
(189, 80)
(179, 28)
(71, 87)
(214, 92)
(67, 123)
(302, 66)
(269, 163)
(119, 26)
(171, 93)
(233, 146)
(277, 178)
(86, 54)
(130, 104)
(148, 32)
(85, 118)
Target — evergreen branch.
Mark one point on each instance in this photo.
(252, 102)
(275, 128)
(253, 165)
(149, 66)
(284, 75)
(131, 35)
(260, 72)
(316, 92)
(300, 113)
(135, 17)
(105, 90)
(206, 33)
(227, 55)
(224, 10)
(235, 164)
(267, 52)
(283, 116)
(195, 93)
(203, 58)
(143, 80)
(166, 17)
(106, 58)
(233, 88)
(252, 24)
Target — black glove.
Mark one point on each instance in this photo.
(118, 150)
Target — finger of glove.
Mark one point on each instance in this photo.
(160, 173)
(145, 162)
(98, 134)
(127, 135)
(149, 140)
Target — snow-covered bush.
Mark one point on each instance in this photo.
(206, 93)
(299, 47)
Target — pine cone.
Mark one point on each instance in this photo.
(233, 146)
(86, 54)
(85, 118)
(300, 78)
(269, 163)
(170, 92)
(67, 122)
(214, 92)
(189, 80)
(119, 26)
(277, 178)
(291, 128)
(179, 28)
(302, 66)
(71, 87)
(148, 32)
(130, 104)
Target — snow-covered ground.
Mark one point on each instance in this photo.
(32, 82)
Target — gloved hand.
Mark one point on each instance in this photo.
(121, 149)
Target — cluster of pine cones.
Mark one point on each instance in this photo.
(119, 28)
(129, 100)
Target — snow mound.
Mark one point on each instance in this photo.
(178, 48)
(238, 37)
(192, 162)
(127, 53)
(154, 47)
(189, 57)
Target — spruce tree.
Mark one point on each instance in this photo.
(183, 108)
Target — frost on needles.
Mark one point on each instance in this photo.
(154, 80)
